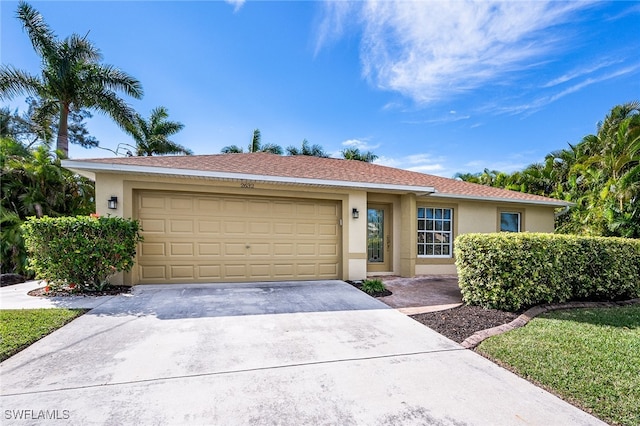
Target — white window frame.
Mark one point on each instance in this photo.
(518, 214)
(434, 232)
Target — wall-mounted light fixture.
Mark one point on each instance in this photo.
(355, 213)
(112, 202)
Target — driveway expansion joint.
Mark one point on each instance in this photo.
(240, 371)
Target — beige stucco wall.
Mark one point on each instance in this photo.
(481, 217)
(469, 216)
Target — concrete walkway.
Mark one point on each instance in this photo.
(288, 353)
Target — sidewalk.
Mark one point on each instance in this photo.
(16, 297)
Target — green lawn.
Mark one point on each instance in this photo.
(590, 357)
(20, 328)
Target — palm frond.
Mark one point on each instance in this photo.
(42, 37)
(15, 82)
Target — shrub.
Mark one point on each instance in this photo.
(514, 271)
(81, 251)
(373, 286)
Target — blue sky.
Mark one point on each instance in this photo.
(437, 87)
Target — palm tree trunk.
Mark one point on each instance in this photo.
(63, 131)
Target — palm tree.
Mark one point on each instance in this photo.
(72, 77)
(254, 146)
(232, 149)
(306, 149)
(355, 154)
(152, 135)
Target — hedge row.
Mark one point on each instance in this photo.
(511, 271)
(80, 251)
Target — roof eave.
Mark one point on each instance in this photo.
(551, 203)
(89, 169)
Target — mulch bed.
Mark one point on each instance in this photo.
(113, 290)
(358, 285)
(459, 323)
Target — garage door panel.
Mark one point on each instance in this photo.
(235, 227)
(152, 202)
(306, 209)
(263, 249)
(327, 250)
(306, 229)
(328, 270)
(306, 270)
(211, 227)
(210, 272)
(152, 249)
(330, 210)
(283, 270)
(283, 229)
(153, 225)
(328, 230)
(260, 228)
(283, 209)
(259, 208)
(284, 249)
(153, 272)
(260, 271)
(235, 271)
(181, 249)
(233, 208)
(306, 249)
(181, 226)
(182, 272)
(209, 205)
(209, 249)
(234, 249)
(181, 203)
(213, 238)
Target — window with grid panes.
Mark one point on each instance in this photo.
(435, 232)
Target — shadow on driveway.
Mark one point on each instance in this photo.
(176, 301)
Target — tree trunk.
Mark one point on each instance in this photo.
(63, 131)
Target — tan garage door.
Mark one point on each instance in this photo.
(206, 238)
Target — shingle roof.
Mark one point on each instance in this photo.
(330, 169)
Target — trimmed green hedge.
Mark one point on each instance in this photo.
(82, 252)
(511, 271)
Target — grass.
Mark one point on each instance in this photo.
(21, 328)
(589, 357)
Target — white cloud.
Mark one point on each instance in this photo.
(237, 4)
(449, 118)
(432, 50)
(332, 25)
(501, 166)
(576, 73)
(538, 103)
(361, 144)
(423, 163)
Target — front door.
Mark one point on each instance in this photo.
(378, 238)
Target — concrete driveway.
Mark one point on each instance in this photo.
(265, 354)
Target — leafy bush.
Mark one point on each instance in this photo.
(33, 183)
(81, 251)
(515, 271)
(373, 286)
